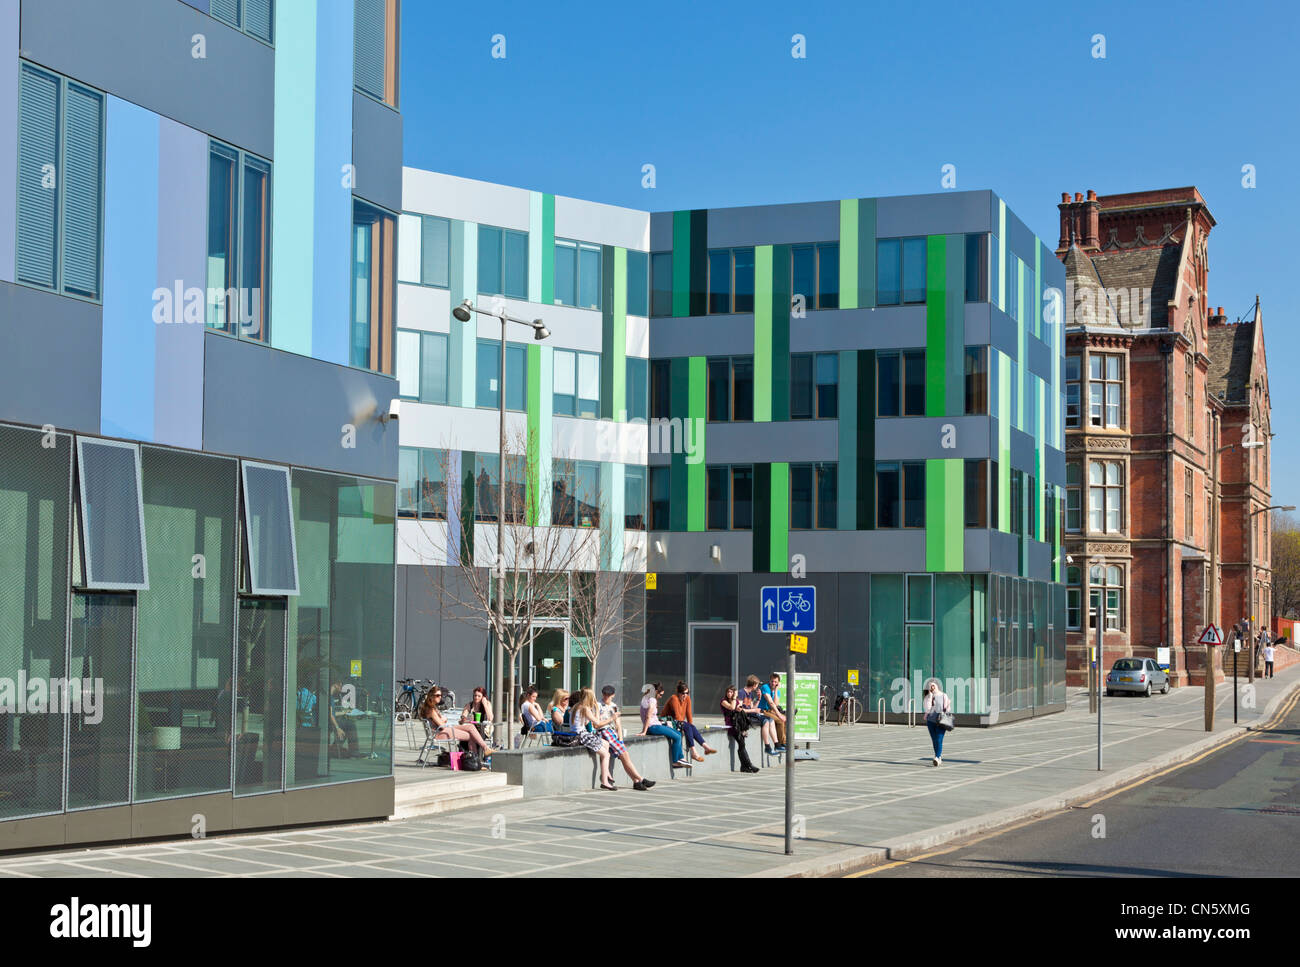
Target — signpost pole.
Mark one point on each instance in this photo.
(790, 712)
(1101, 674)
(1236, 666)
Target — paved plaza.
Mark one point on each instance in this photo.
(873, 789)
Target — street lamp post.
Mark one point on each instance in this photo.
(462, 313)
(1250, 580)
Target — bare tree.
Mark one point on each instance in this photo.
(540, 552)
(608, 606)
(1286, 565)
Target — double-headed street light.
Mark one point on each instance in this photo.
(463, 313)
(1250, 577)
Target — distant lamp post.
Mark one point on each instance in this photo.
(463, 313)
(1250, 673)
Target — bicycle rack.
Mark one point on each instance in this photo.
(911, 713)
(880, 713)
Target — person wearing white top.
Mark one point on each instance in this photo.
(933, 704)
(1268, 660)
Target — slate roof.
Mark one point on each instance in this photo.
(1231, 352)
(1142, 281)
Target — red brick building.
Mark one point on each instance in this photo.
(1156, 382)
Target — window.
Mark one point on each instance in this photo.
(900, 383)
(1187, 503)
(374, 48)
(658, 479)
(977, 380)
(1071, 391)
(1017, 501)
(421, 366)
(271, 544)
(900, 271)
(1105, 496)
(814, 496)
(373, 287)
(1188, 375)
(661, 283)
(111, 521)
(634, 503)
(60, 183)
(239, 204)
(577, 274)
(1073, 598)
(637, 388)
(1107, 583)
(253, 17)
(660, 389)
(730, 498)
(576, 384)
(731, 389)
(900, 494)
(1073, 504)
(422, 483)
(815, 275)
(814, 386)
(586, 493)
(424, 250)
(487, 484)
(731, 280)
(1104, 387)
(488, 375)
(638, 283)
(977, 493)
(1050, 511)
(502, 262)
(977, 268)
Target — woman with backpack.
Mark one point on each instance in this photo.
(737, 724)
(938, 716)
(436, 722)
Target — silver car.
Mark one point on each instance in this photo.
(1138, 676)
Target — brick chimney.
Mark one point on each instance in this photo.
(1080, 223)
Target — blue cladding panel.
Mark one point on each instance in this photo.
(332, 286)
(178, 358)
(130, 270)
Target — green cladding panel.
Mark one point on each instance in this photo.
(866, 253)
(779, 519)
(548, 250)
(771, 333)
(849, 235)
(696, 476)
(613, 357)
(944, 515)
(1004, 439)
(936, 329)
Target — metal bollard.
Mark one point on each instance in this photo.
(911, 713)
(880, 713)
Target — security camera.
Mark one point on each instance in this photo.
(394, 411)
(1069, 559)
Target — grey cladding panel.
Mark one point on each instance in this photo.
(377, 152)
(798, 441)
(140, 50)
(50, 359)
(1040, 356)
(944, 213)
(774, 224)
(276, 406)
(721, 335)
(922, 437)
(826, 330)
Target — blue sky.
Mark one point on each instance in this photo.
(1010, 93)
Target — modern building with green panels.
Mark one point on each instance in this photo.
(862, 395)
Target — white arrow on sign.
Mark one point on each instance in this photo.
(768, 604)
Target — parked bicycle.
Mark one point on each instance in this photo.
(411, 692)
(848, 707)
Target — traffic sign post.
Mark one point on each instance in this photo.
(788, 608)
(1210, 637)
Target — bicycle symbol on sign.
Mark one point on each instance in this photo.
(796, 601)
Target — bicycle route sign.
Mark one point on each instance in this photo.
(788, 608)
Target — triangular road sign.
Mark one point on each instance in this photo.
(1210, 636)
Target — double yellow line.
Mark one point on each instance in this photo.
(1278, 717)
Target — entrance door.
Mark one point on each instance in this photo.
(711, 665)
(548, 661)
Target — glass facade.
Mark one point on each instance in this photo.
(189, 683)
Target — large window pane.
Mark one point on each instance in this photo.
(801, 496)
(515, 256)
(720, 280)
(888, 278)
(489, 260)
(827, 496)
(977, 380)
(719, 371)
(889, 511)
(565, 383)
(99, 745)
(658, 479)
(433, 484)
(406, 365)
(254, 295)
(661, 280)
(634, 497)
(222, 219)
(828, 385)
(742, 498)
(185, 626)
(887, 649)
(889, 380)
(828, 276)
(742, 389)
(914, 270)
(914, 383)
(487, 483)
(408, 482)
(587, 494)
(34, 524)
(718, 495)
(589, 385)
(803, 274)
(589, 276)
(638, 390)
(562, 496)
(913, 495)
(435, 251)
(259, 696)
(801, 387)
(340, 654)
(744, 280)
(433, 367)
(566, 273)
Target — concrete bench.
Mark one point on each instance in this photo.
(552, 770)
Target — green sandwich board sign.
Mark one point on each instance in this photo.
(807, 695)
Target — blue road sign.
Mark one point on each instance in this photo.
(786, 609)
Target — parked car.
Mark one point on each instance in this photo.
(1137, 676)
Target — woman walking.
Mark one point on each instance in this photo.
(934, 704)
